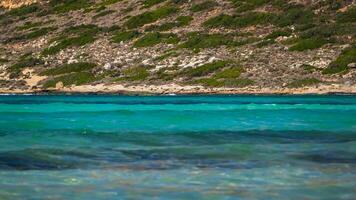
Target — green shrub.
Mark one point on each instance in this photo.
(225, 78)
(200, 40)
(197, 41)
(68, 42)
(203, 6)
(340, 64)
(163, 75)
(63, 6)
(233, 72)
(3, 16)
(79, 78)
(270, 39)
(265, 43)
(24, 10)
(180, 21)
(127, 10)
(125, 36)
(4, 83)
(240, 82)
(44, 12)
(73, 36)
(179, 1)
(309, 68)
(149, 17)
(294, 15)
(331, 4)
(307, 44)
(276, 34)
(25, 61)
(151, 39)
(322, 31)
(184, 20)
(99, 9)
(212, 82)
(348, 16)
(68, 68)
(38, 33)
(304, 82)
(33, 34)
(238, 21)
(3, 60)
(290, 41)
(28, 25)
(113, 28)
(163, 27)
(167, 55)
(247, 5)
(205, 69)
(328, 31)
(138, 73)
(253, 18)
(304, 27)
(344, 29)
(107, 2)
(5, 20)
(244, 41)
(222, 20)
(149, 3)
(208, 82)
(103, 13)
(81, 30)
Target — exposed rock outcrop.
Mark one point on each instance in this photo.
(10, 4)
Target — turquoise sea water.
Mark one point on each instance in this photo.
(177, 147)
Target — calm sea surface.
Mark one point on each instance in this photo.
(91, 147)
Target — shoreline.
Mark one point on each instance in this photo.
(174, 89)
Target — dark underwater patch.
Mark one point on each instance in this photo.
(164, 159)
(22, 162)
(180, 99)
(186, 138)
(41, 159)
(221, 137)
(328, 157)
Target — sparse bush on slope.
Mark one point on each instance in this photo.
(149, 17)
(79, 78)
(149, 3)
(63, 6)
(69, 68)
(205, 5)
(125, 36)
(238, 21)
(340, 64)
(151, 39)
(304, 82)
(73, 36)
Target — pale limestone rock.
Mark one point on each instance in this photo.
(107, 66)
(146, 62)
(59, 85)
(71, 61)
(351, 65)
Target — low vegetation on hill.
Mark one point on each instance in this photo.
(225, 43)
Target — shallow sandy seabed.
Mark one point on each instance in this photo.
(178, 89)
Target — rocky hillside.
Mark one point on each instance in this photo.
(259, 44)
